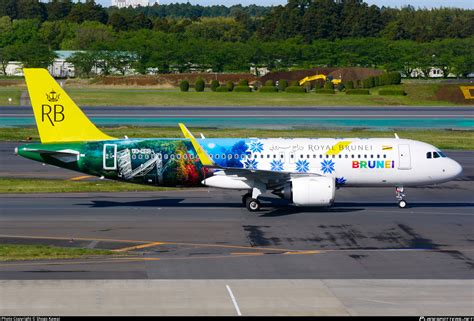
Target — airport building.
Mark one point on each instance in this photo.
(133, 3)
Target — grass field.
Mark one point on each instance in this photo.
(445, 139)
(24, 185)
(41, 252)
(419, 94)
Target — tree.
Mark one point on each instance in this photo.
(58, 9)
(93, 36)
(9, 8)
(31, 9)
(7, 54)
(105, 62)
(214, 84)
(184, 86)
(84, 62)
(34, 54)
(282, 84)
(199, 85)
(121, 61)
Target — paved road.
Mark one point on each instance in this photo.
(238, 297)
(238, 112)
(206, 234)
(201, 253)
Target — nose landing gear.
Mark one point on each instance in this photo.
(400, 197)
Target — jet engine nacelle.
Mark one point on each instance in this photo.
(310, 191)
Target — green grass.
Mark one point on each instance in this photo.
(10, 92)
(419, 94)
(26, 185)
(445, 139)
(41, 252)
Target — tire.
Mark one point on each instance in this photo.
(253, 205)
(245, 197)
(402, 204)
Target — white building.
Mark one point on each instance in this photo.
(132, 3)
(434, 72)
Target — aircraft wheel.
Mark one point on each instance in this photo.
(402, 204)
(245, 197)
(253, 205)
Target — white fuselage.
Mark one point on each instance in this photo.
(352, 162)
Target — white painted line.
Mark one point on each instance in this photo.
(233, 300)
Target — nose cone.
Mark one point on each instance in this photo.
(455, 169)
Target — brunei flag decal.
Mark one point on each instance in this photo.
(385, 147)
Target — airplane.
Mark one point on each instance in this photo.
(305, 171)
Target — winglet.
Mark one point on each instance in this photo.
(205, 159)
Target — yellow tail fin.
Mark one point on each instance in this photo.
(58, 118)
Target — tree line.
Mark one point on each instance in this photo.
(310, 19)
(138, 39)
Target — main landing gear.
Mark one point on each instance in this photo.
(250, 199)
(400, 197)
(252, 204)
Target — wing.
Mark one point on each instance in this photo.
(272, 179)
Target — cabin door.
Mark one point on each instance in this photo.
(110, 157)
(404, 158)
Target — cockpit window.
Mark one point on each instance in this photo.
(428, 155)
(442, 154)
(436, 155)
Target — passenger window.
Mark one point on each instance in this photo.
(352, 156)
(223, 156)
(261, 156)
(274, 156)
(384, 156)
(301, 156)
(165, 156)
(217, 156)
(327, 156)
(320, 156)
(268, 155)
(230, 156)
(282, 156)
(292, 156)
(191, 156)
(172, 156)
(378, 156)
(340, 156)
(178, 156)
(347, 156)
(428, 155)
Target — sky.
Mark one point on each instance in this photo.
(467, 4)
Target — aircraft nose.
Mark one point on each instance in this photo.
(455, 169)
